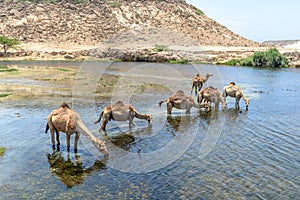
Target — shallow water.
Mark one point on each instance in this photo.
(226, 154)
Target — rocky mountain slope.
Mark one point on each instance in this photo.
(97, 21)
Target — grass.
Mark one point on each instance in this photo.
(5, 95)
(63, 69)
(2, 151)
(7, 69)
(181, 61)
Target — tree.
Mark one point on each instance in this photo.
(7, 43)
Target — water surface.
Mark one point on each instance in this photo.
(248, 155)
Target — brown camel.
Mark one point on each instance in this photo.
(198, 82)
(210, 95)
(68, 121)
(180, 100)
(120, 112)
(236, 92)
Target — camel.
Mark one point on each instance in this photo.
(236, 92)
(120, 112)
(210, 95)
(68, 121)
(180, 100)
(198, 82)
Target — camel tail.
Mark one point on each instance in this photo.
(47, 128)
(162, 102)
(100, 116)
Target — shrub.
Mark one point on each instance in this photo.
(270, 58)
(2, 151)
(199, 12)
(7, 43)
(161, 48)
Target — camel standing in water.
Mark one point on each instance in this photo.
(68, 121)
(236, 92)
(120, 112)
(198, 82)
(180, 100)
(210, 95)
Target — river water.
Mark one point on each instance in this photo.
(224, 154)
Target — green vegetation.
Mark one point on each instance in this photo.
(114, 4)
(7, 43)
(5, 95)
(63, 69)
(270, 58)
(7, 69)
(199, 12)
(181, 61)
(2, 151)
(159, 47)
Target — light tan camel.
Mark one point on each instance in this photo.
(180, 100)
(198, 82)
(120, 112)
(68, 121)
(236, 92)
(210, 95)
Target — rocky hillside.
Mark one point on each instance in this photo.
(99, 20)
(121, 29)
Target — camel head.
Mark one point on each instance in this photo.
(209, 74)
(247, 101)
(101, 146)
(149, 118)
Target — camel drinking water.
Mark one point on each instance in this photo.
(180, 100)
(236, 92)
(121, 112)
(66, 120)
(210, 95)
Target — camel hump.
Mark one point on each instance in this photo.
(64, 105)
(179, 93)
(120, 103)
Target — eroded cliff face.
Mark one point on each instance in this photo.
(98, 21)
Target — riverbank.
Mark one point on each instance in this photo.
(141, 52)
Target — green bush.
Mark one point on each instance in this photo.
(270, 58)
(7, 43)
(199, 12)
(161, 47)
(181, 61)
(2, 151)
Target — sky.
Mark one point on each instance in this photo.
(257, 20)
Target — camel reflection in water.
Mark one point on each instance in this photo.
(71, 172)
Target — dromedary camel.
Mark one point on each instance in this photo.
(120, 112)
(198, 82)
(210, 95)
(236, 92)
(68, 121)
(180, 100)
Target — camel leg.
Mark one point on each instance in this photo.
(76, 141)
(57, 139)
(169, 108)
(68, 142)
(52, 138)
(103, 125)
(237, 105)
(188, 110)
